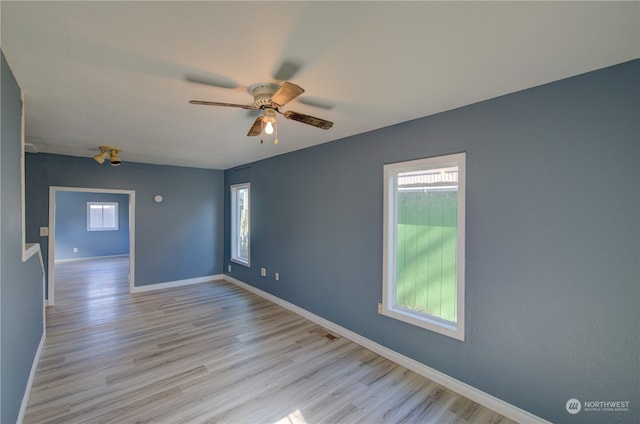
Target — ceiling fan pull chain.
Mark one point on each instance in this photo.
(275, 124)
(261, 131)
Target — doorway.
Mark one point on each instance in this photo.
(54, 195)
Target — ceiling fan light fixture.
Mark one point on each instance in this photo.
(269, 119)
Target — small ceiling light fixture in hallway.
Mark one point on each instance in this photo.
(112, 152)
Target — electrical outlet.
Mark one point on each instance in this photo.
(277, 276)
(228, 268)
(263, 272)
(379, 308)
(75, 250)
(44, 231)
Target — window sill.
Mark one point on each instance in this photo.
(241, 262)
(441, 327)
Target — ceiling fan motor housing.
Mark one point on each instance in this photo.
(262, 93)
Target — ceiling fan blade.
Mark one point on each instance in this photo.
(306, 119)
(287, 70)
(317, 102)
(212, 80)
(286, 93)
(256, 128)
(205, 103)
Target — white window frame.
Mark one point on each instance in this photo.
(235, 225)
(90, 227)
(429, 322)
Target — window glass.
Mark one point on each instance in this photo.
(102, 216)
(240, 223)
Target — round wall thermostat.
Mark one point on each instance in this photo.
(157, 198)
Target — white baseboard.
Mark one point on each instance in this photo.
(89, 258)
(510, 411)
(32, 374)
(177, 283)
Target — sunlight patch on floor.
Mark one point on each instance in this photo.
(295, 417)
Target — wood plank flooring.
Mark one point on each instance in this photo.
(213, 353)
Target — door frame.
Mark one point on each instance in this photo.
(52, 233)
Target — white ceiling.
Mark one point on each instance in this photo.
(118, 73)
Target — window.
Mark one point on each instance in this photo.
(240, 224)
(102, 216)
(424, 215)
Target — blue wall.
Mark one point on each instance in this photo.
(177, 239)
(20, 283)
(553, 235)
(71, 226)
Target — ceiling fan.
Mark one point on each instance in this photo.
(269, 98)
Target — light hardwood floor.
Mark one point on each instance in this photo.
(213, 352)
